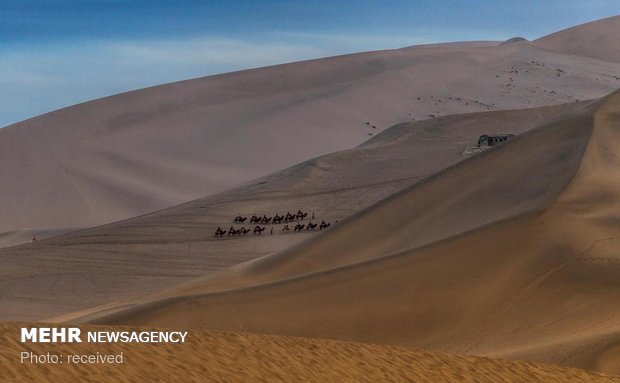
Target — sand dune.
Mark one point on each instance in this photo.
(127, 259)
(212, 356)
(598, 39)
(136, 152)
(505, 279)
(511, 253)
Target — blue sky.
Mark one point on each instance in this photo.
(55, 53)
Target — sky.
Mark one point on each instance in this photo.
(56, 53)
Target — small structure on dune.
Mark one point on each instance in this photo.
(493, 139)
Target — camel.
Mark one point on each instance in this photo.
(299, 227)
(244, 231)
(240, 219)
(219, 232)
(259, 230)
(324, 225)
(312, 226)
(254, 219)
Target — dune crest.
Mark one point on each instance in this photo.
(597, 39)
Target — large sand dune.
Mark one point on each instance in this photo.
(136, 152)
(235, 357)
(598, 39)
(157, 251)
(512, 253)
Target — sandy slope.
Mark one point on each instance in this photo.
(512, 253)
(128, 154)
(507, 254)
(598, 39)
(153, 252)
(238, 357)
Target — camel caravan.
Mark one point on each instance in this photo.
(261, 222)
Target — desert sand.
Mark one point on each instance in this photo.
(485, 271)
(137, 152)
(146, 254)
(237, 357)
(597, 40)
(510, 253)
